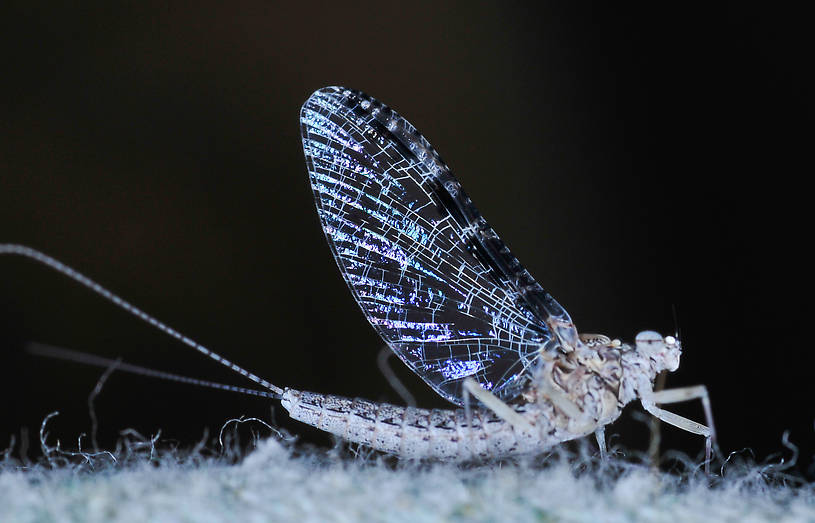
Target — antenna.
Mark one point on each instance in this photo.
(676, 321)
(54, 264)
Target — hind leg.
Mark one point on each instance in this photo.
(489, 400)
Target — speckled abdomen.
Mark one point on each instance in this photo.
(422, 433)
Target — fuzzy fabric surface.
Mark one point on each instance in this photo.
(277, 481)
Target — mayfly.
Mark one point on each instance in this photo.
(451, 301)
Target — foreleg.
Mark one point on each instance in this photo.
(650, 400)
(681, 394)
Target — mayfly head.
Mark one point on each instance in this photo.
(662, 352)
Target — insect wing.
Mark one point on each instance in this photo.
(431, 276)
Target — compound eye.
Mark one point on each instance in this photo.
(649, 339)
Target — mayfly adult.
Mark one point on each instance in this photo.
(450, 300)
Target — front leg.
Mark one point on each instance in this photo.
(681, 394)
(650, 399)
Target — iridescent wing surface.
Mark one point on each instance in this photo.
(431, 276)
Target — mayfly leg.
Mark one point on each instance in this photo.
(501, 409)
(656, 429)
(690, 393)
(600, 436)
(679, 395)
(382, 362)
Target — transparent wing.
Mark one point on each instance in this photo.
(431, 276)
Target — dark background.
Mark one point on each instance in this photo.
(634, 158)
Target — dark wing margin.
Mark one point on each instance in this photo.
(431, 276)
